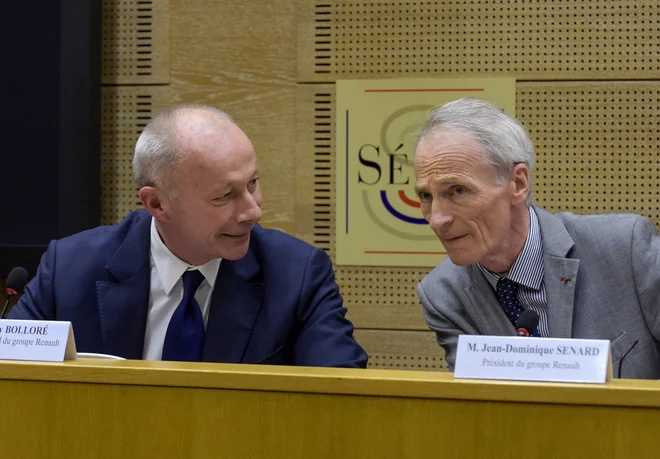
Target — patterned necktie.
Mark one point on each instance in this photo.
(507, 293)
(184, 340)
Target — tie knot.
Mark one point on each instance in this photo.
(191, 282)
(506, 286)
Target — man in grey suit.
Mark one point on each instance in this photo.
(595, 276)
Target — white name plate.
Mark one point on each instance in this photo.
(533, 359)
(48, 341)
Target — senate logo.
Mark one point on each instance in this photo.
(378, 217)
(386, 178)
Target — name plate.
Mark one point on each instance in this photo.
(48, 341)
(533, 359)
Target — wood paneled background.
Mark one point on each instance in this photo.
(588, 91)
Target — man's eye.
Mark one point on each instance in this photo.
(459, 190)
(424, 196)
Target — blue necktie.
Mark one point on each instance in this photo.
(184, 340)
(507, 293)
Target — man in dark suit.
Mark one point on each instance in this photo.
(591, 276)
(193, 277)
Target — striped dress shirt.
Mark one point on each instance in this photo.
(527, 271)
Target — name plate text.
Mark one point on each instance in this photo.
(533, 359)
(39, 340)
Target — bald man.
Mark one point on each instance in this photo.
(193, 277)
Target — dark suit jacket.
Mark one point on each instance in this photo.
(613, 292)
(277, 305)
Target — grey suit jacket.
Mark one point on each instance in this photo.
(613, 263)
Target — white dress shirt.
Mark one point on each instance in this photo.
(166, 292)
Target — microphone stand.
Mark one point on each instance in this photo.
(10, 296)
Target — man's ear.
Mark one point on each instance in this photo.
(520, 182)
(155, 202)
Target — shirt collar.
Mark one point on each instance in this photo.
(170, 267)
(528, 268)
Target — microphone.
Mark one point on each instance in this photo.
(16, 281)
(527, 322)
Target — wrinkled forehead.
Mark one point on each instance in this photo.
(450, 160)
(438, 146)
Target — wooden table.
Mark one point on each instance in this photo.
(140, 409)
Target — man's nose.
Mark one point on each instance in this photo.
(440, 217)
(249, 210)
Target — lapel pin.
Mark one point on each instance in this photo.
(565, 278)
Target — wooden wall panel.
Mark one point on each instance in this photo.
(126, 111)
(315, 176)
(313, 218)
(241, 57)
(136, 42)
(531, 40)
(402, 350)
(598, 145)
(135, 74)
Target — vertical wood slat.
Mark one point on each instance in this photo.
(136, 42)
(126, 111)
